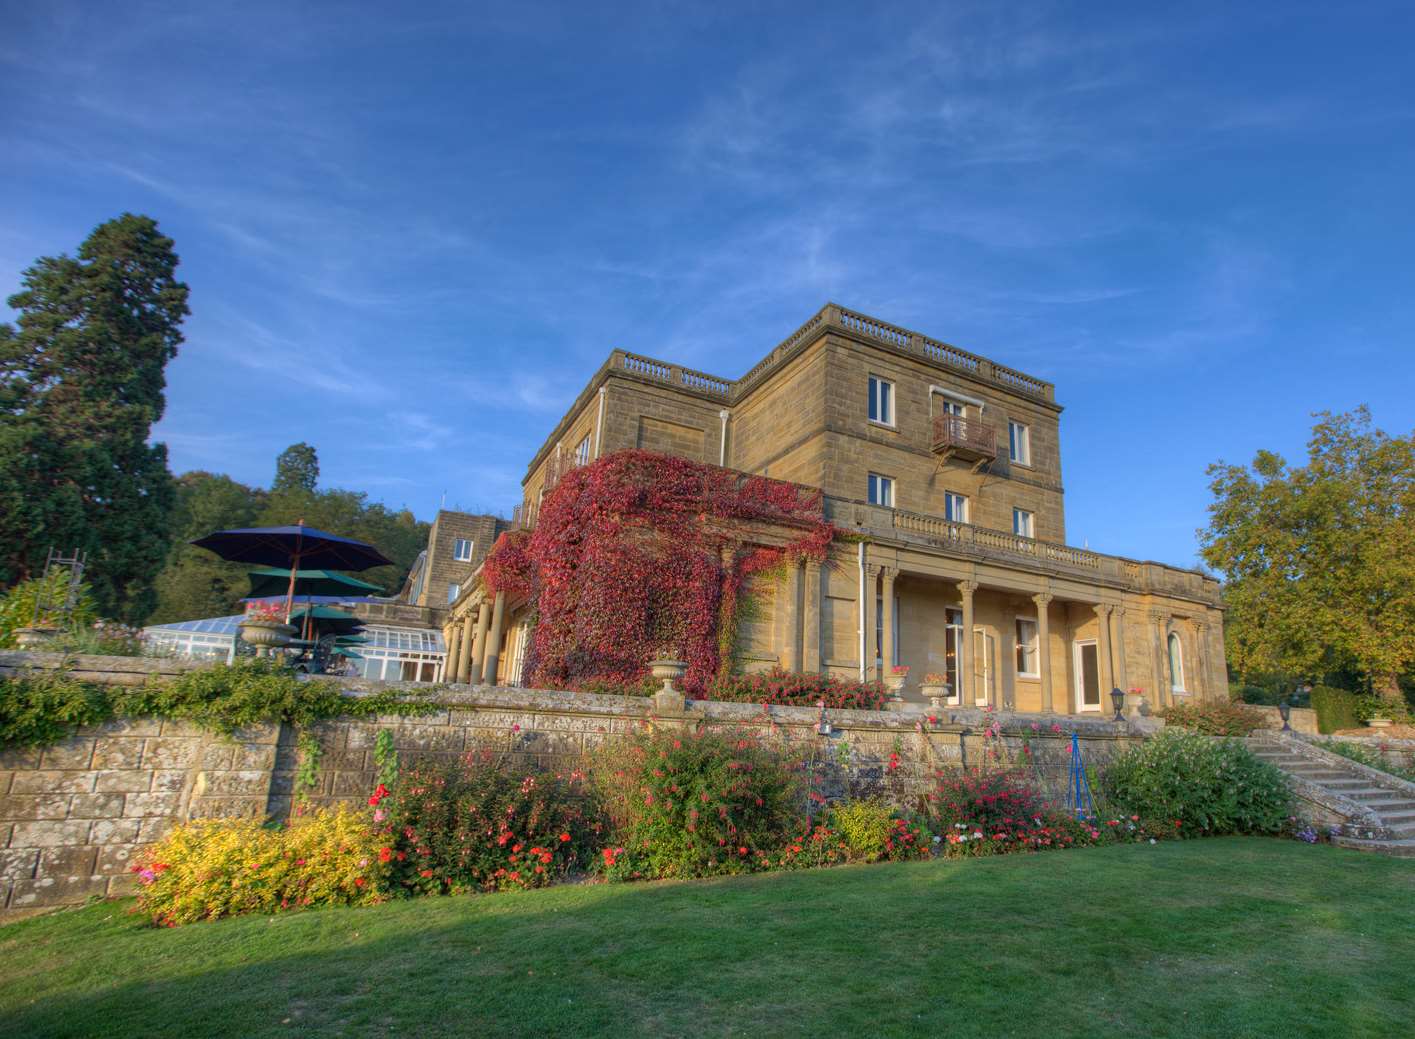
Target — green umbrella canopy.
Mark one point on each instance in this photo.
(326, 617)
(345, 651)
(272, 582)
(350, 640)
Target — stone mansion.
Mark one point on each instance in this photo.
(947, 468)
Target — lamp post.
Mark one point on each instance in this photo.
(1117, 697)
(1285, 709)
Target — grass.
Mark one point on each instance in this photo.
(1232, 937)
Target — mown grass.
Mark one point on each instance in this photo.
(1234, 937)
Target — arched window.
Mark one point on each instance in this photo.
(1176, 663)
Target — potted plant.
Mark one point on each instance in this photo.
(264, 627)
(894, 682)
(935, 687)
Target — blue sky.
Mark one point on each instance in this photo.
(411, 237)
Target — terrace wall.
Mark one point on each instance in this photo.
(73, 815)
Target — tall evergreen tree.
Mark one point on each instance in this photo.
(81, 384)
(297, 468)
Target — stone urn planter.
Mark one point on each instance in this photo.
(1377, 722)
(266, 635)
(35, 637)
(937, 692)
(668, 670)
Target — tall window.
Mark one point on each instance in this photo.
(582, 453)
(881, 401)
(879, 630)
(1176, 663)
(453, 590)
(881, 490)
(1022, 524)
(1027, 648)
(1019, 443)
(462, 550)
(952, 637)
(955, 507)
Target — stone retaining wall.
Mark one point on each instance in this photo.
(73, 815)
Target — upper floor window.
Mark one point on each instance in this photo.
(1022, 523)
(881, 401)
(1019, 443)
(1027, 647)
(955, 507)
(1176, 662)
(462, 550)
(453, 590)
(582, 453)
(881, 490)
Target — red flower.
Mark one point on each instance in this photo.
(384, 854)
(564, 837)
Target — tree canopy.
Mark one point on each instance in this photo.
(1319, 559)
(81, 383)
(297, 468)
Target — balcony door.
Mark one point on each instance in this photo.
(984, 666)
(1088, 676)
(959, 413)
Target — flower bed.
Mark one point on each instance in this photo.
(796, 689)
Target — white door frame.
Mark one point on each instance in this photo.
(1078, 682)
(987, 668)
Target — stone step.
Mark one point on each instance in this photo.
(1404, 816)
(1381, 800)
(1324, 775)
(1402, 848)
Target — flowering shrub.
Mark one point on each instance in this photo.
(1214, 718)
(214, 868)
(696, 804)
(485, 825)
(624, 561)
(1203, 785)
(797, 689)
(872, 831)
(265, 611)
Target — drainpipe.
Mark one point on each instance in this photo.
(599, 422)
(860, 611)
(722, 439)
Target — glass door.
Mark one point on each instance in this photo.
(984, 666)
(1088, 677)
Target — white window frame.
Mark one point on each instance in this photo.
(457, 555)
(582, 452)
(1019, 443)
(1024, 523)
(880, 490)
(1175, 650)
(955, 507)
(1077, 650)
(882, 400)
(1028, 646)
(453, 590)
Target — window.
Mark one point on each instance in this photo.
(881, 401)
(955, 507)
(1027, 648)
(462, 550)
(1019, 443)
(1022, 523)
(1176, 663)
(582, 453)
(453, 590)
(881, 490)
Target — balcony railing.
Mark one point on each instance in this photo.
(964, 437)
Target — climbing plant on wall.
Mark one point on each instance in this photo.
(640, 553)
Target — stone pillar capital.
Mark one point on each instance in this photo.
(889, 573)
(1102, 609)
(1042, 599)
(1159, 616)
(873, 569)
(967, 588)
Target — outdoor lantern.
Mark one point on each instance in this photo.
(1117, 697)
(1285, 709)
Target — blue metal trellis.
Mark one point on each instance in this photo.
(1078, 787)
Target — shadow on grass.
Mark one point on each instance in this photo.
(1198, 938)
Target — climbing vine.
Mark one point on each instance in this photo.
(639, 554)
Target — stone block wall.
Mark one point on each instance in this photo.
(74, 814)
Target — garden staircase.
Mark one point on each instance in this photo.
(1375, 810)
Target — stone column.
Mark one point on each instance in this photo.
(493, 640)
(474, 673)
(1121, 678)
(967, 691)
(811, 637)
(1161, 658)
(791, 617)
(867, 621)
(452, 640)
(1043, 602)
(1201, 647)
(464, 658)
(1107, 674)
(887, 576)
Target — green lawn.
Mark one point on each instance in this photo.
(1199, 938)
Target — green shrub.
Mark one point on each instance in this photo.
(696, 804)
(1336, 709)
(18, 602)
(225, 867)
(797, 689)
(42, 707)
(864, 824)
(1214, 718)
(1372, 758)
(483, 826)
(1371, 705)
(1203, 785)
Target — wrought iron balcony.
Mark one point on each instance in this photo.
(968, 439)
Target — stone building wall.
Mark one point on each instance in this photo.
(73, 815)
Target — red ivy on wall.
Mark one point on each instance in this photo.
(639, 553)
